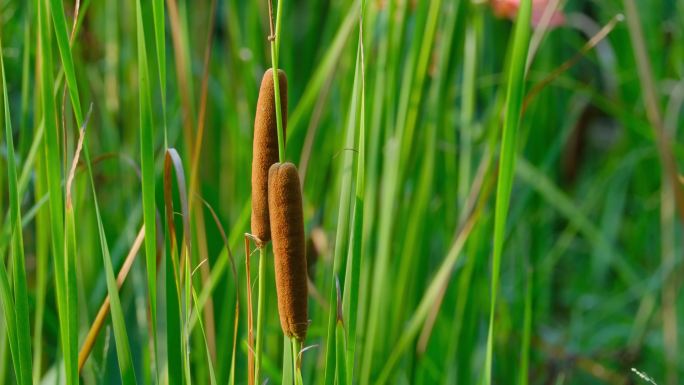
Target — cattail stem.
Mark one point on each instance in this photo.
(275, 47)
(296, 367)
(250, 330)
(260, 312)
(294, 359)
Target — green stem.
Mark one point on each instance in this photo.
(275, 46)
(288, 376)
(296, 366)
(260, 312)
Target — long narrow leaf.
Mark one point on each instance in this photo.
(22, 338)
(514, 96)
(54, 184)
(353, 269)
(343, 223)
(147, 168)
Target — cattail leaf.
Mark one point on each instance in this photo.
(147, 167)
(15, 307)
(515, 89)
(178, 312)
(54, 186)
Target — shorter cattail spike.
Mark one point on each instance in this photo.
(287, 231)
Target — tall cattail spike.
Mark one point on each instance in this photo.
(287, 230)
(265, 150)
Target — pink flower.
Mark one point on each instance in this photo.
(509, 9)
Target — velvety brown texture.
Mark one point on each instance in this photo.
(287, 231)
(265, 150)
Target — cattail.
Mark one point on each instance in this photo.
(265, 150)
(287, 230)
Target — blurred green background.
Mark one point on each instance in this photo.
(590, 269)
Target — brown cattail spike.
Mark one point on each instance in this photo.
(265, 150)
(287, 230)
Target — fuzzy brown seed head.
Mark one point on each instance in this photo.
(287, 231)
(265, 150)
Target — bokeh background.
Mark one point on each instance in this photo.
(590, 271)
